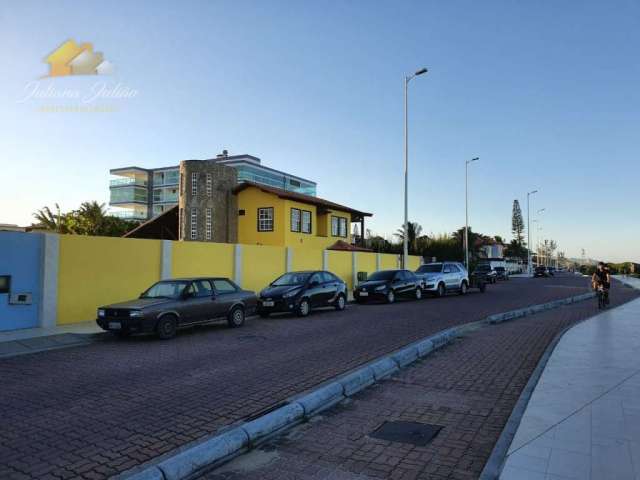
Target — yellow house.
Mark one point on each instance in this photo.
(272, 216)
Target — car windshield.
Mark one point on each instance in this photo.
(294, 278)
(166, 289)
(383, 275)
(430, 268)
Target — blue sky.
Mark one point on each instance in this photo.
(545, 93)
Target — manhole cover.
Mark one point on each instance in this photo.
(415, 433)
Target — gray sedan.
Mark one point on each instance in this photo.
(172, 304)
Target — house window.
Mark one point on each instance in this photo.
(306, 221)
(194, 223)
(208, 225)
(209, 185)
(194, 184)
(295, 220)
(265, 219)
(338, 226)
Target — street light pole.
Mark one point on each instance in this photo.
(466, 210)
(529, 233)
(405, 248)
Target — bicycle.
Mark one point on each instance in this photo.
(602, 295)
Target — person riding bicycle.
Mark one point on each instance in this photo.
(601, 278)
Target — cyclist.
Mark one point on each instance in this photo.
(601, 278)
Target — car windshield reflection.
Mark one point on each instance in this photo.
(289, 279)
(166, 289)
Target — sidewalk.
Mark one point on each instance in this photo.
(583, 419)
(31, 340)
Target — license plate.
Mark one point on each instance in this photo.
(115, 326)
(268, 303)
(364, 294)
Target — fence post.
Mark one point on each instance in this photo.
(289, 260)
(165, 259)
(49, 290)
(354, 268)
(237, 264)
(325, 260)
(378, 260)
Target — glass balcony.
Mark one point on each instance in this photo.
(132, 194)
(118, 182)
(130, 214)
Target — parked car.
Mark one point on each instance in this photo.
(301, 292)
(541, 271)
(442, 277)
(501, 273)
(484, 270)
(172, 304)
(551, 270)
(387, 285)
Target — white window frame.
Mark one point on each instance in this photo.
(296, 223)
(335, 227)
(343, 227)
(208, 226)
(194, 183)
(265, 219)
(194, 223)
(209, 185)
(306, 223)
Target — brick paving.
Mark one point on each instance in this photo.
(469, 388)
(92, 412)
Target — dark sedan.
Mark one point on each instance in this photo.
(387, 285)
(172, 304)
(541, 271)
(485, 271)
(301, 292)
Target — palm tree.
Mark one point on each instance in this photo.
(91, 218)
(50, 221)
(413, 233)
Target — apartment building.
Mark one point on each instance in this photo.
(141, 193)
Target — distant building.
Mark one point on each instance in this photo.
(142, 193)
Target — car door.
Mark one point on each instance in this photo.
(198, 304)
(331, 287)
(454, 277)
(226, 295)
(315, 289)
(446, 275)
(405, 284)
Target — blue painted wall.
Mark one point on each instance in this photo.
(21, 257)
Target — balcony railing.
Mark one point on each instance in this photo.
(130, 215)
(118, 182)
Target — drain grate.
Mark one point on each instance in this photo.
(415, 433)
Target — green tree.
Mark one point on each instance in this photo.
(414, 231)
(517, 223)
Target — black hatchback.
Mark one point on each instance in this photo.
(387, 285)
(300, 292)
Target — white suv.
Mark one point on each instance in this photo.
(442, 277)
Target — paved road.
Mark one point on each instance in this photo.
(91, 412)
(469, 387)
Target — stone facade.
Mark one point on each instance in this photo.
(208, 207)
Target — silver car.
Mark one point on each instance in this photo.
(442, 277)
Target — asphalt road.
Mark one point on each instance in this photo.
(91, 412)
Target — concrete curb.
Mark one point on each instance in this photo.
(191, 459)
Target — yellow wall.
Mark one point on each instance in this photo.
(306, 259)
(366, 262)
(340, 264)
(261, 265)
(299, 239)
(192, 259)
(388, 261)
(414, 262)
(249, 200)
(95, 271)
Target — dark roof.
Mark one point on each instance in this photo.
(302, 198)
(161, 227)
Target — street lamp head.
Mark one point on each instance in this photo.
(420, 72)
(531, 193)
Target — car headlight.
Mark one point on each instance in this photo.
(291, 293)
(101, 312)
(380, 288)
(135, 313)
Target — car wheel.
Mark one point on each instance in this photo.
(167, 327)
(263, 314)
(463, 287)
(418, 293)
(341, 303)
(391, 297)
(441, 290)
(236, 317)
(304, 308)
